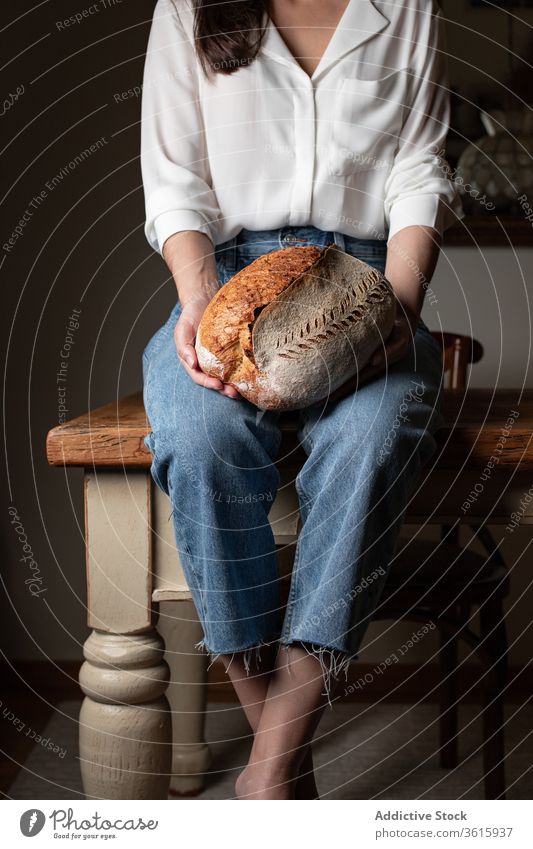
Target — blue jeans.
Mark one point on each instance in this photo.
(214, 457)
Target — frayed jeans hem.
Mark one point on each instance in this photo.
(248, 652)
(333, 662)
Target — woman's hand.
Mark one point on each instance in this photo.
(403, 331)
(396, 344)
(190, 257)
(184, 338)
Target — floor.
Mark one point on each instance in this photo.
(361, 752)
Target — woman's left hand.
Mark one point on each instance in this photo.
(395, 347)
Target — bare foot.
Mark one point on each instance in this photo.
(255, 782)
(258, 782)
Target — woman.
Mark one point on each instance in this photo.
(267, 125)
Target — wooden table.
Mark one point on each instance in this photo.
(482, 470)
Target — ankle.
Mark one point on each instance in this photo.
(257, 783)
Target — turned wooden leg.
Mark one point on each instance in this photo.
(186, 693)
(125, 724)
(181, 631)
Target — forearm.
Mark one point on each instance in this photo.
(189, 255)
(411, 259)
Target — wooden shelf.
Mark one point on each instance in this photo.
(490, 231)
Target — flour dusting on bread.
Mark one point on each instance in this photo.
(294, 325)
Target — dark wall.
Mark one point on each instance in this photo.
(80, 246)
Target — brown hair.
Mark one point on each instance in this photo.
(228, 35)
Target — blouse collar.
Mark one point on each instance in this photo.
(359, 22)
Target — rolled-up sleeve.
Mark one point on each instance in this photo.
(175, 170)
(418, 190)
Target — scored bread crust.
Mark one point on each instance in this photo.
(294, 325)
(224, 338)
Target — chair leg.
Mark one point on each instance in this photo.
(449, 534)
(448, 726)
(492, 619)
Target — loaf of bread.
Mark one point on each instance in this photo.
(294, 325)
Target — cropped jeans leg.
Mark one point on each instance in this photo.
(364, 455)
(213, 456)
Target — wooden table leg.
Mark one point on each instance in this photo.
(125, 724)
(181, 630)
(186, 693)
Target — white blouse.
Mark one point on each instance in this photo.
(357, 147)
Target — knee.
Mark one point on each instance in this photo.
(186, 455)
(396, 426)
(188, 440)
(405, 431)
(220, 449)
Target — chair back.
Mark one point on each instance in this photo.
(458, 352)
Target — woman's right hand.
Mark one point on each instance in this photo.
(184, 338)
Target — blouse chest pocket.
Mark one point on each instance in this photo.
(367, 117)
